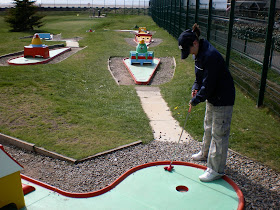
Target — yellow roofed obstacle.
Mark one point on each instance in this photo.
(37, 48)
(143, 34)
(141, 64)
(11, 193)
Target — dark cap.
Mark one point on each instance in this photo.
(185, 41)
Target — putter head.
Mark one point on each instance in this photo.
(169, 168)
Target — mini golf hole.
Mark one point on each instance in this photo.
(182, 188)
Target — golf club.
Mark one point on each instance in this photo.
(170, 167)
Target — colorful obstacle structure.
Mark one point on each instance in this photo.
(46, 36)
(143, 73)
(90, 30)
(141, 55)
(10, 181)
(143, 34)
(36, 48)
(146, 186)
(37, 53)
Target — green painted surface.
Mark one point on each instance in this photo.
(23, 60)
(142, 73)
(148, 188)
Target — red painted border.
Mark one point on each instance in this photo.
(135, 81)
(241, 203)
(40, 62)
(126, 174)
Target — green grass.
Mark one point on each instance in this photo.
(76, 109)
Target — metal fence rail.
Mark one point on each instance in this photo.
(247, 34)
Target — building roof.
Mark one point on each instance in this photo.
(8, 165)
(259, 3)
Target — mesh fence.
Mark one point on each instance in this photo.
(246, 33)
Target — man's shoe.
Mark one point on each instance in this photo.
(210, 175)
(198, 156)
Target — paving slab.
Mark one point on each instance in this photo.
(164, 126)
(72, 43)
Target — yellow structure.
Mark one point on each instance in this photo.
(36, 40)
(37, 48)
(10, 181)
(142, 30)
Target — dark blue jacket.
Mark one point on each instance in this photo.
(213, 79)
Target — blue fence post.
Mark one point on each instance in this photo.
(230, 26)
(170, 13)
(196, 10)
(268, 42)
(174, 18)
(271, 52)
(187, 13)
(209, 19)
(180, 16)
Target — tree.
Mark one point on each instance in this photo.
(23, 16)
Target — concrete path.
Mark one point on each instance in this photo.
(72, 43)
(164, 126)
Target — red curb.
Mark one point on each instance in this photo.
(135, 80)
(39, 62)
(126, 174)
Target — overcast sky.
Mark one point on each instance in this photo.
(101, 2)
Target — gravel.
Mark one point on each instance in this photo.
(259, 184)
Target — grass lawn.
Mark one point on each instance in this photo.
(75, 107)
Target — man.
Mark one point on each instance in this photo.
(213, 84)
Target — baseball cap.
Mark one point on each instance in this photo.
(185, 41)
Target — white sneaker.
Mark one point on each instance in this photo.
(210, 175)
(198, 156)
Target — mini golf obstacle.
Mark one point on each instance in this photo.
(10, 181)
(143, 34)
(37, 60)
(37, 53)
(37, 48)
(145, 186)
(141, 64)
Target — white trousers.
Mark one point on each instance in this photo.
(216, 134)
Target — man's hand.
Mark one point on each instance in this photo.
(191, 103)
(194, 101)
(194, 92)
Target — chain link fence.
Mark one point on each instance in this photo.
(246, 33)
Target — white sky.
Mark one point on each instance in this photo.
(99, 2)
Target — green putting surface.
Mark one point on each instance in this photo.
(149, 188)
(141, 74)
(29, 60)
